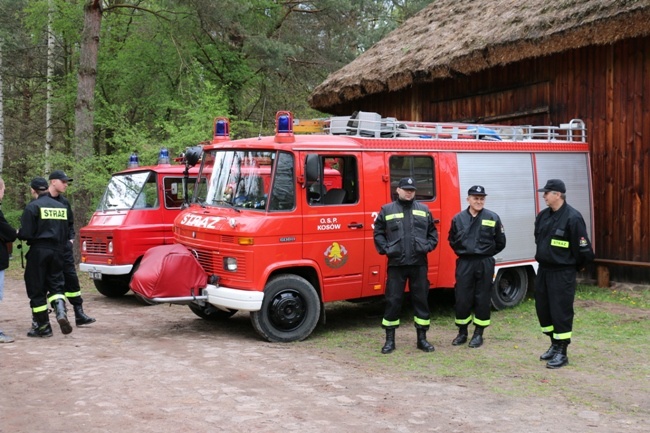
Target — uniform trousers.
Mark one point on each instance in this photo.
(419, 287)
(555, 291)
(72, 288)
(43, 275)
(473, 290)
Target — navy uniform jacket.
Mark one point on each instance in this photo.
(482, 235)
(64, 201)
(405, 233)
(562, 239)
(7, 234)
(44, 222)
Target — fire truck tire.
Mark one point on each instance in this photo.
(510, 287)
(290, 310)
(211, 313)
(111, 286)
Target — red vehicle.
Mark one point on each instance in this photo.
(136, 213)
(277, 241)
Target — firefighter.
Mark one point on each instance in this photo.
(476, 235)
(405, 232)
(58, 185)
(563, 248)
(44, 225)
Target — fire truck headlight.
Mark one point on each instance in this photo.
(110, 247)
(84, 246)
(230, 264)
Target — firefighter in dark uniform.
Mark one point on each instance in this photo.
(58, 185)
(476, 235)
(563, 248)
(405, 233)
(44, 225)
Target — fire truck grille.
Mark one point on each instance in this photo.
(95, 247)
(212, 262)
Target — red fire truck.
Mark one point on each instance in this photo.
(136, 213)
(285, 223)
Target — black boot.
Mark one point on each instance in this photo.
(461, 338)
(423, 344)
(550, 353)
(40, 326)
(477, 338)
(80, 318)
(61, 316)
(389, 346)
(560, 358)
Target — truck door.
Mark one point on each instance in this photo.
(333, 222)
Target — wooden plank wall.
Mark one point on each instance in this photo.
(606, 86)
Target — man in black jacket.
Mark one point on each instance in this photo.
(563, 248)
(405, 233)
(58, 185)
(44, 225)
(476, 235)
(7, 234)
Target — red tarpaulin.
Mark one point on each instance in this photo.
(168, 271)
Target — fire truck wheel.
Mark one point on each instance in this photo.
(290, 310)
(510, 287)
(211, 313)
(112, 286)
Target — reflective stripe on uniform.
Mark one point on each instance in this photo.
(385, 322)
(53, 213)
(422, 322)
(464, 321)
(39, 309)
(562, 336)
(546, 329)
(55, 297)
(419, 213)
(483, 323)
(394, 215)
(72, 294)
(489, 223)
(558, 243)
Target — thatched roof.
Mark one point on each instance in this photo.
(452, 37)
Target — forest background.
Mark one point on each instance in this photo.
(84, 83)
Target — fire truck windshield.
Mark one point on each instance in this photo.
(248, 179)
(130, 191)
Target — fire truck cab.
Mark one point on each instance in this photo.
(285, 223)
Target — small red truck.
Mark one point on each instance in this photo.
(136, 213)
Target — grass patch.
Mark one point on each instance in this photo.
(608, 353)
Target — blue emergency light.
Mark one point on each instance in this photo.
(133, 160)
(284, 127)
(221, 130)
(163, 156)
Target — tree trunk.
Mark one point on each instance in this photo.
(49, 134)
(2, 117)
(84, 107)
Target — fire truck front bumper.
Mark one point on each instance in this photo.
(234, 299)
(95, 270)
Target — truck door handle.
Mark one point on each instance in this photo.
(355, 226)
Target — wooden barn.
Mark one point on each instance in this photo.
(528, 62)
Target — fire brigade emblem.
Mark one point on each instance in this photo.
(335, 255)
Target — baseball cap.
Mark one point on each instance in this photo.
(553, 185)
(59, 174)
(38, 184)
(407, 183)
(476, 190)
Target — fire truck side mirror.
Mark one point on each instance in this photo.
(312, 167)
(193, 155)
